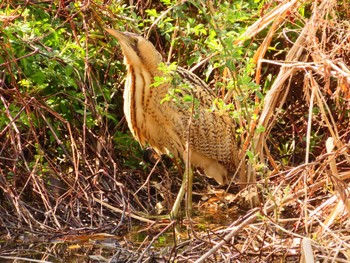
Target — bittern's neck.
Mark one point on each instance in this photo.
(148, 64)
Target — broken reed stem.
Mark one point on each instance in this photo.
(129, 214)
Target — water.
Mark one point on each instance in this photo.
(146, 243)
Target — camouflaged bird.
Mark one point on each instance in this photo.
(167, 109)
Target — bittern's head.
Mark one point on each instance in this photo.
(138, 51)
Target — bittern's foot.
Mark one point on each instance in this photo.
(152, 157)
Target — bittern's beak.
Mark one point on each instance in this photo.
(125, 39)
(117, 34)
(137, 50)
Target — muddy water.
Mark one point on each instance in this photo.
(144, 243)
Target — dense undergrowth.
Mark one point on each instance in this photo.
(282, 68)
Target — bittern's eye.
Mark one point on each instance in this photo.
(134, 41)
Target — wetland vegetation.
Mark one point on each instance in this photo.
(73, 183)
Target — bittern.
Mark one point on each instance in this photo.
(175, 113)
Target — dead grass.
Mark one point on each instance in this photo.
(304, 211)
(301, 166)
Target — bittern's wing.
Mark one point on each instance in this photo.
(211, 132)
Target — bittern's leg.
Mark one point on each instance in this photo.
(186, 185)
(180, 195)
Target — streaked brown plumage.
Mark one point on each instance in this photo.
(160, 115)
